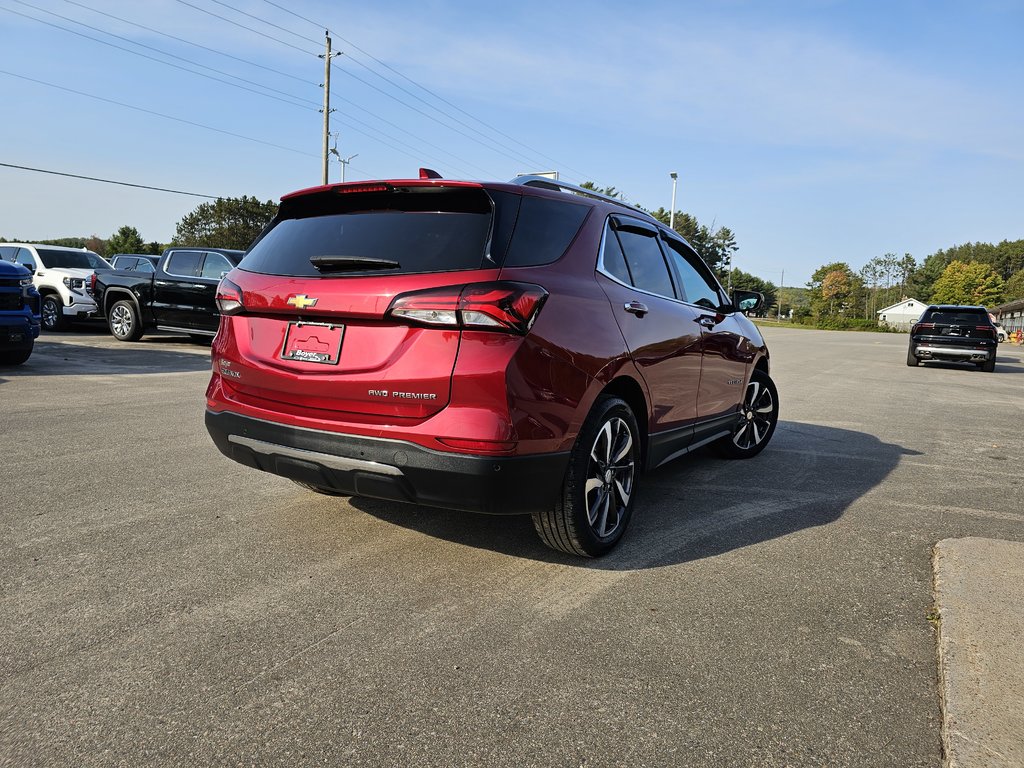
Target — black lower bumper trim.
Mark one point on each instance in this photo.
(395, 470)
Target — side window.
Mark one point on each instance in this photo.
(646, 263)
(24, 257)
(697, 286)
(7, 252)
(613, 260)
(544, 230)
(215, 266)
(184, 263)
(145, 265)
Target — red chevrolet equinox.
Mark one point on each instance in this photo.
(528, 347)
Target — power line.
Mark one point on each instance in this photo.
(158, 114)
(217, 51)
(110, 181)
(242, 26)
(289, 99)
(423, 88)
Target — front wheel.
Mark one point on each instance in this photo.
(52, 314)
(15, 356)
(759, 413)
(124, 321)
(599, 488)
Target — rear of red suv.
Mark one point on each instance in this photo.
(443, 343)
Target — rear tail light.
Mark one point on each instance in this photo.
(500, 306)
(92, 283)
(229, 298)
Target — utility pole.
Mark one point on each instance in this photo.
(782, 282)
(672, 213)
(326, 85)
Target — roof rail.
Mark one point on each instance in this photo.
(560, 186)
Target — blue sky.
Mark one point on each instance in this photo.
(817, 131)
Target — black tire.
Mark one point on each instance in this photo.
(759, 415)
(52, 313)
(201, 338)
(15, 356)
(600, 484)
(989, 365)
(124, 321)
(319, 489)
(912, 359)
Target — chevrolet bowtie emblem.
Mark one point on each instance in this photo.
(301, 301)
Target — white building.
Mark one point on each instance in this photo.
(902, 315)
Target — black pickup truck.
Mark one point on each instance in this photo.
(179, 296)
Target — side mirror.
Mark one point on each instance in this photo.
(747, 301)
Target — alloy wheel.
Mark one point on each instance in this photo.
(610, 477)
(757, 414)
(121, 321)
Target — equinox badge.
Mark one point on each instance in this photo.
(301, 301)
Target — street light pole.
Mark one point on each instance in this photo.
(672, 213)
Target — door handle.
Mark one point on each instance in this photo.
(636, 308)
(200, 285)
(707, 321)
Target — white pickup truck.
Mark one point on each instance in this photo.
(61, 275)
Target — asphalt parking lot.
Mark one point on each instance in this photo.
(160, 604)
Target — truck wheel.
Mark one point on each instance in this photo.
(15, 357)
(597, 496)
(52, 314)
(124, 321)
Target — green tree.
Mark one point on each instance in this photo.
(968, 283)
(834, 290)
(125, 240)
(230, 222)
(1014, 287)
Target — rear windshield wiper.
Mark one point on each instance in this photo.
(351, 263)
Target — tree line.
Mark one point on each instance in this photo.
(975, 273)
(232, 222)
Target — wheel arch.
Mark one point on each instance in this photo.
(113, 295)
(629, 390)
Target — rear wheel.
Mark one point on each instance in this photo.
(911, 357)
(124, 321)
(599, 488)
(989, 365)
(759, 413)
(52, 314)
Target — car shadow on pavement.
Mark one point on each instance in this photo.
(700, 506)
(158, 355)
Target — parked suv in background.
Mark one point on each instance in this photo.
(954, 333)
(523, 347)
(60, 275)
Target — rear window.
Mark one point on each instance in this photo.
(957, 317)
(428, 230)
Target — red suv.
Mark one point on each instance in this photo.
(512, 348)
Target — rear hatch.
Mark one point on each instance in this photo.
(348, 302)
(955, 327)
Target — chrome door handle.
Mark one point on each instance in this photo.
(636, 308)
(707, 321)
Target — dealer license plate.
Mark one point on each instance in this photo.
(313, 342)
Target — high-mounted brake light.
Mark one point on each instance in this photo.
(229, 298)
(345, 189)
(498, 306)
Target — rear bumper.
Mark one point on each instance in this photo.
(953, 353)
(395, 470)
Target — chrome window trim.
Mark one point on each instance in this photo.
(603, 271)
